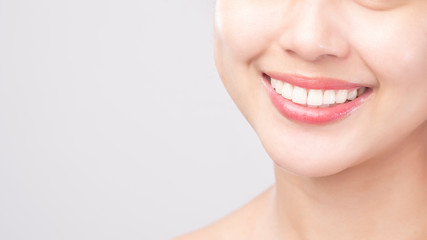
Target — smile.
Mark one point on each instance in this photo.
(315, 97)
(314, 101)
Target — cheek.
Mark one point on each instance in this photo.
(245, 29)
(394, 48)
(396, 52)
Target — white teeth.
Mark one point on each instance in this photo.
(279, 86)
(352, 94)
(315, 97)
(299, 95)
(341, 96)
(273, 83)
(287, 91)
(329, 97)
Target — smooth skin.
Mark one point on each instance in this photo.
(361, 177)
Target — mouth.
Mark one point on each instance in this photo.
(315, 101)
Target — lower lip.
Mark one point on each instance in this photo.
(310, 115)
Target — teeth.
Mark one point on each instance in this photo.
(299, 95)
(352, 94)
(329, 97)
(341, 96)
(287, 91)
(273, 83)
(279, 86)
(315, 97)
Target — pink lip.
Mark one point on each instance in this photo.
(309, 115)
(313, 83)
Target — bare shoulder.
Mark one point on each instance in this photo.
(240, 224)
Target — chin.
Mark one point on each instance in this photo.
(311, 168)
(311, 162)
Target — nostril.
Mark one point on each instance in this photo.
(309, 56)
(291, 52)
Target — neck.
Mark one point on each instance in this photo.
(382, 198)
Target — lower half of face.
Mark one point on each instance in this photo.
(378, 56)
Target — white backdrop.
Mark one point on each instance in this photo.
(114, 123)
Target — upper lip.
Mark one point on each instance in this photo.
(314, 82)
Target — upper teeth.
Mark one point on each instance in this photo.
(315, 97)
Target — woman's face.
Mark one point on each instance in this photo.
(320, 52)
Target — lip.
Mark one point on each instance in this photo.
(303, 114)
(313, 83)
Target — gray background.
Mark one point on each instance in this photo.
(114, 123)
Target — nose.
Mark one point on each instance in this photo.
(312, 33)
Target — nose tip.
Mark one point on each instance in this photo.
(312, 35)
